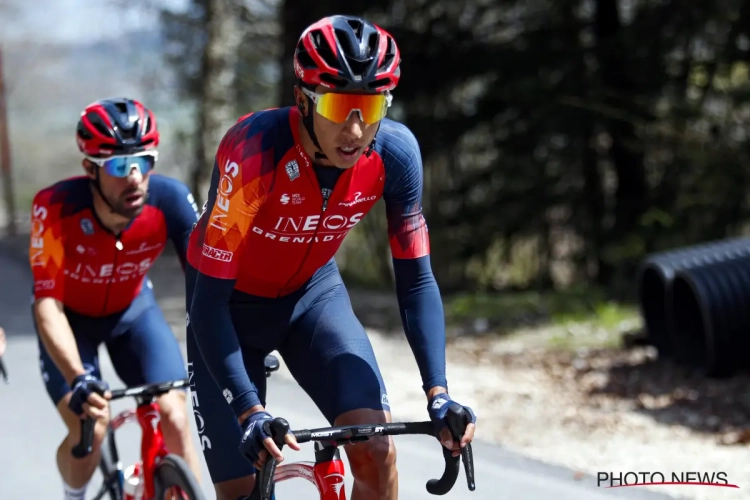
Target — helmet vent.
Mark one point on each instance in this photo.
(324, 51)
(390, 54)
(379, 83)
(332, 80)
(356, 27)
(96, 121)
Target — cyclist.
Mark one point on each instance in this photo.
(288, 184)
(93, 240)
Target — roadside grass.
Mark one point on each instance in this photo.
(568, 319)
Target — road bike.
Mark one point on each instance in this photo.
(327, 472)
(158, 474)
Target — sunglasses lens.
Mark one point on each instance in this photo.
(121, 167)
(337, 107)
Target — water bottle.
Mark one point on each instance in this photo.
(133, 484)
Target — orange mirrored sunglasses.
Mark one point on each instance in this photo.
(337, 106)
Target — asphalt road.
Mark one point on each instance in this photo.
(30, 431)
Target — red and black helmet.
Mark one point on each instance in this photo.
(347, 53)
(117, 126)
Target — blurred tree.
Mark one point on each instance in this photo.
(222, 53)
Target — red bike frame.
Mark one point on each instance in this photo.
(152, 440)
(327, 474)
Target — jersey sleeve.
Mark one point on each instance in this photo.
(418, 295)
(181, 214)
(407, 229)
(235, 197)
(46, 247)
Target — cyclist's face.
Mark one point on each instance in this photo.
(342, 143)
(127, 195)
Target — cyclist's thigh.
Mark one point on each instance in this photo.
(147, 352)
(54, 381)
(330, 355)
(218, 430)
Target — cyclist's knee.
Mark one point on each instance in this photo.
(173, 412)
(374, 458)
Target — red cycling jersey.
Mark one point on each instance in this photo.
(75, 260)
(266, 222)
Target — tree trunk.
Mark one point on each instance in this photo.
(216, 113)
(627, 158)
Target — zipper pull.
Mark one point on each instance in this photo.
(326, 194)
(118, 244)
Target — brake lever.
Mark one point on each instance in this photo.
(277, 429)
(458, 419)
(86, 443)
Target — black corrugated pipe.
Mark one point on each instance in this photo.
(655, 276)
(710, 313)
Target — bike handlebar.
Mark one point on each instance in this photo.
(147, 391)
(457, 419)
(86, 442)
(3, 370)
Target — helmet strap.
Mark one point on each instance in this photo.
(96, 183)
(307, 122)
(369, 149)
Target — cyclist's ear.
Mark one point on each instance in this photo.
(89, 168)
(299, 97)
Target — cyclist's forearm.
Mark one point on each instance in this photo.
(217, 341)
(423, 319)
(57, 337)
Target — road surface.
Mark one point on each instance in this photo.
(30, 431)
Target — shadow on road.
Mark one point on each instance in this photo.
(675, 395)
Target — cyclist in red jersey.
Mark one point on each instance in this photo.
(288, 185)
(93, 240)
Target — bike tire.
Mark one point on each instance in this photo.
(173, 472)
(108, 466)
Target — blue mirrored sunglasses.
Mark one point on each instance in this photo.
(120, 166)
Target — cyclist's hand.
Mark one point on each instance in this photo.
(89, 398)
(438, 409)
(257, 443)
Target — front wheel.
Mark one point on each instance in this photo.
(173, 480)
(109, 468)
